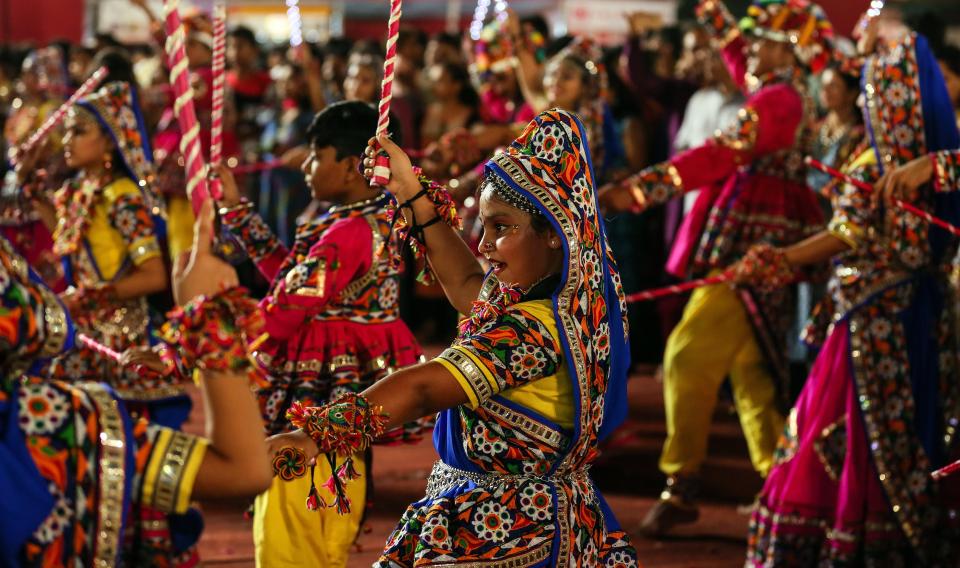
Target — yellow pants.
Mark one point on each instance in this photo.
(713, 340)
(179, 225)
(287, 535)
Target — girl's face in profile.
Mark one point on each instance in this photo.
(84, 144)
(518, 253)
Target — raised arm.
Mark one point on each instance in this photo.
(261, 244)
(451, 260)
(234, 428)
(726, 36)
(766, 124)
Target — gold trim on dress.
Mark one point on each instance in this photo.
(166, 491)
(112, 470)
(469, 369)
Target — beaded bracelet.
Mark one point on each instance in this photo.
(213, 333)
(766, 267)
(344, 427)
(412, 233)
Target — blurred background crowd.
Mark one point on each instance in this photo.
(642, 76)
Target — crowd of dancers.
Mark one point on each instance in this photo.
(531, 182)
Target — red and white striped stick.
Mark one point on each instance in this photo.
(102, 349)
(57, 116)
(98, 347)
(679, 288)
(903, 205)
(219, 84)
(381, 168)
(945, 471)
(183, 106)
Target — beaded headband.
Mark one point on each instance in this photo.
(502, 191)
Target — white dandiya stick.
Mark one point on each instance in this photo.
(183, 106)
(219, 85)
(381, 167)
(57, 116)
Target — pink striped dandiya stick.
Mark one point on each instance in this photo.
(219, 84)
(903, 205)
(98, 347)
(57, 116)
(679, 288)
(381, 168)
(183, 106)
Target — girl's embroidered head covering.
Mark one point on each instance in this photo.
(800, 23)
(114, 108)
(550, 166)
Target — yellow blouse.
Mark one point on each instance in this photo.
(551, 397)
(114, 233)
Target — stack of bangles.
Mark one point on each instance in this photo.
(768, 267)
(343, 428)
(212, 333)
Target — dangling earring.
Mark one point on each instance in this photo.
(108, 162)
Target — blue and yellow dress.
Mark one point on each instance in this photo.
(105, 230)
(545, 375)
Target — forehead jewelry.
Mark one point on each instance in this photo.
(508, 195)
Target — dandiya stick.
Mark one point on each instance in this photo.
(98, 347)
(679, 288)
(219, 85)
(945, 471)
(381, 168)
(58, 115)
(900, 204)
(183, 107)
(102, 349)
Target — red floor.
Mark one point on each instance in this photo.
(628, 474)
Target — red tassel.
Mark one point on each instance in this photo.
(314, 501)
(342, 504)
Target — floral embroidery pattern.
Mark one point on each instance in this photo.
(501, 345)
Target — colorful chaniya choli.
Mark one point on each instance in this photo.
(752, 178)
(105, 229)
(880, 409)
(103, 232)
(544, 373)
(78, 470)
(333, 317)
